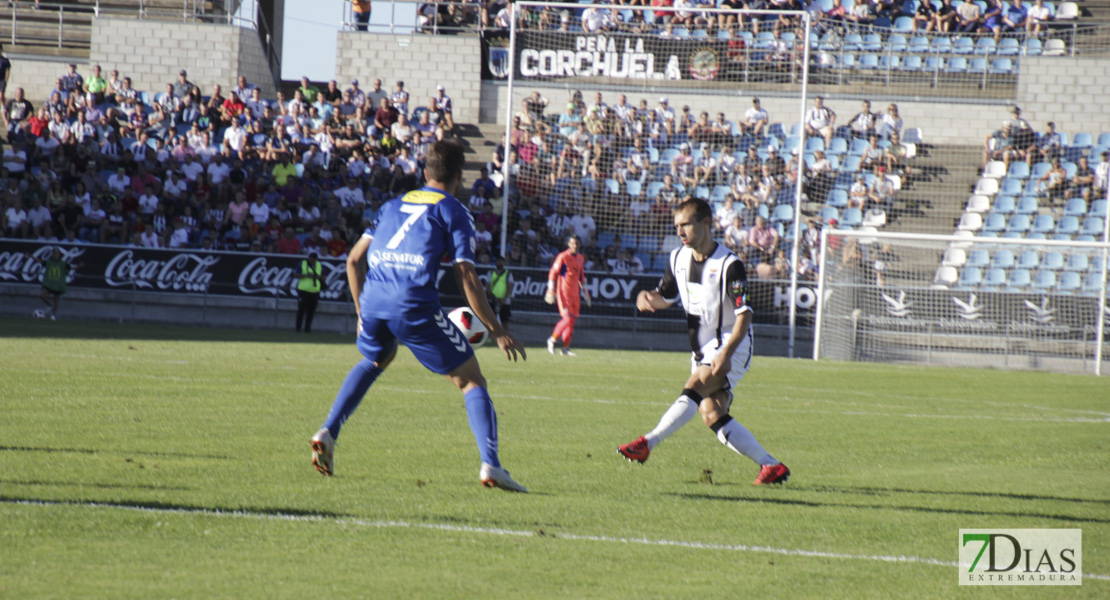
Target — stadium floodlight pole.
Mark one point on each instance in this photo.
(505, 166)
(796, 225)
(820, 294)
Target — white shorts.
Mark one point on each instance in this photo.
(741, 360)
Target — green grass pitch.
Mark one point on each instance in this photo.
(154, 462)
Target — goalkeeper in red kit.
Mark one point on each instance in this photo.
(564, 284)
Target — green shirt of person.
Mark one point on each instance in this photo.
(54, 275)
(283, 171)
(310, 276)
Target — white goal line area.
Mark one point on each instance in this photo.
(498, 531)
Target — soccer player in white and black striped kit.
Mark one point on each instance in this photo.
(713, 285)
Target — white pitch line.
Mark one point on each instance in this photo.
(520, 533)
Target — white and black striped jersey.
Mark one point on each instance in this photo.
(713, 292)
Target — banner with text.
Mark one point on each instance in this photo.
(240, 274)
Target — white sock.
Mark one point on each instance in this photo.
(676, 416)
(741, 441)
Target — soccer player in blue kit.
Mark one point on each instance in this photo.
(398, 302)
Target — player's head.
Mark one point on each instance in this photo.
(693, 221)
(444, 164)
(574, 243)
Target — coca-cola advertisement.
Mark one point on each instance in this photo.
(179, 271)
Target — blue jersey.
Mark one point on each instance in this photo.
(413, 233)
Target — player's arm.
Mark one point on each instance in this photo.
(663, 296)
(467, 279)
(552, 273)
(356, 268)
(735, 299)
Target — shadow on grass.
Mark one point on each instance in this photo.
(99, 330)
(141, 505)
(923, 509)
(47, 450)
(99, 486)
(873, 491)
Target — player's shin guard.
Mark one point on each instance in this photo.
(483, 422)
(350, 394)
(741, 441)
(679, 414)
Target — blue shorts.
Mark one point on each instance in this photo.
(431, 337)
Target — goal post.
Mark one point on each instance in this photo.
(706, 60)
(916, 298)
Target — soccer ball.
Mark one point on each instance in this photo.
(39, 313)
(470, 326)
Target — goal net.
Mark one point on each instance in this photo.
(614, 114)
(962, 301)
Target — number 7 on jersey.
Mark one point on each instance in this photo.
(414, 212)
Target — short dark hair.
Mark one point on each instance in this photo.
(701, 208)
(444, 161)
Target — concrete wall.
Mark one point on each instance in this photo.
(152, 53)
(36, 74)
(426, 61)
(1071, 91)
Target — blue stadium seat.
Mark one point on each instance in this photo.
(1008, 47)
(719, 193)
(897, 43)
(851, 217)
(1069, 281)
(1082, 139)
(934, 64)
(1012, 187)
(889, 62)
(853, 42)
(1068, 225)
(1019, 169)
(994, 278)
(859, 147)
(828, 213)
(956, 64)
(1002, 259)
(1043, 224)
(1018, 280)
(1098, 209)
(903, 25)
(963, 45)
(941, 45)
(1091, 226)
(1028, 259)
(633, 187)
(659, 263)
(1019, 223)
(977, 65)
(1076, 207)
(985, 45)
(871, 43)
(1077, 262)
(1053, 260)
(1092, 283)
(1026, 205)
(1002, 66)
(911, 63)
(918, 45)
(783, 213)
(1104, 139)
(978, 258)
(1004, 205)
(653, 189)
(838, 198)
(994, 222)
(1033, 47)
(970, 277)
(837, 146)
(1039, 169)
(1044, 280)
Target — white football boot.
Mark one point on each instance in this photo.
(323, 452)
(492, 476)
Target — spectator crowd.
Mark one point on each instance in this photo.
(100, 161)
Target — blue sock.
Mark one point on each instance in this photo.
(483, 422)
(350, 394)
